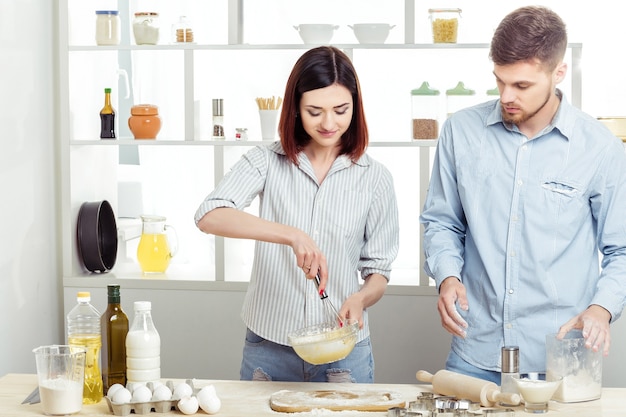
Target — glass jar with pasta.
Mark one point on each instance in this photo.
(445, 24)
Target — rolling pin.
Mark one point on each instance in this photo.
(467, 387)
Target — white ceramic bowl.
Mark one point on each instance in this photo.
(324, 343)
(316, 33)
(369, 33)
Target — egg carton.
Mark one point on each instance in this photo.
(164, 406)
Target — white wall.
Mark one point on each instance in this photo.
(30, 294)
(406, 331)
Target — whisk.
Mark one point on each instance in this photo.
(330, 308)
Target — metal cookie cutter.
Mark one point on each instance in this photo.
(500, 412)
(396, 412)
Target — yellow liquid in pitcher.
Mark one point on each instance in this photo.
(92, 387)
(153, 252)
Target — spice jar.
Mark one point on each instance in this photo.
(445, 24)
(144, 122)
(458, 98)
(182, 31)
(425, 112)
(107, 27)
(241, 133)
(146, 28)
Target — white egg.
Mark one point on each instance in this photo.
(188, 405)
(113, 389)
(210, 404)
(182, 390)
(161, 393)
(132, 386)
(122, 396)
(153, 385)
(141, 394)
(206, 390)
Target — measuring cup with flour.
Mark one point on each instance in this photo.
(580, 368)
(60, 372)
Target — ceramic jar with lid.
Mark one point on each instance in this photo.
(144, 122)
(146, 28)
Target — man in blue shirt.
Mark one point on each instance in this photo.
(526, 191)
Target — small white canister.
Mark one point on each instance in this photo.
(107, 27)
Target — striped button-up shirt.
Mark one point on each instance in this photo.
(352, 216)
(521, 223)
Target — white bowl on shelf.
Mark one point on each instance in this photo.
(316, 33)
(371, 33)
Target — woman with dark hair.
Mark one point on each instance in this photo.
(325, 207)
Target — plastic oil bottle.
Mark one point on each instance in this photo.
(83, 330)
(143, 346)
(114, 328)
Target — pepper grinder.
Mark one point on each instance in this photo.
(509, 370)
(218, 119)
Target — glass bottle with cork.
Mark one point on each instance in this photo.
(114, 327)
(107, 117)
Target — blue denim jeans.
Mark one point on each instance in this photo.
(267, 361)
(456, 364)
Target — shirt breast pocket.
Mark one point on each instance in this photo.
(565, 196)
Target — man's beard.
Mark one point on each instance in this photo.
(523, 116)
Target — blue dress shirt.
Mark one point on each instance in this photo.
(522, 223)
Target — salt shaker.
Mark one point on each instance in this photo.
(509, 370)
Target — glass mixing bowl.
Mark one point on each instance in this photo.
(326, 342)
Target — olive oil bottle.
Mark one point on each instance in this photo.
(114, 327)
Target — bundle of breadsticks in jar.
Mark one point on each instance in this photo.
(269, 103)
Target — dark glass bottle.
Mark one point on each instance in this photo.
(114, 327)
(107, 117)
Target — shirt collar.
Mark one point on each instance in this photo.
(342, 160)
(562, 120)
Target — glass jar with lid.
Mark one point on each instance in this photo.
(445, 24)
(425, 112)
(146, 28)
(107, 27)
(182, 31)
(458, 98)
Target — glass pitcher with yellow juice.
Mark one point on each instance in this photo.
(154, 252)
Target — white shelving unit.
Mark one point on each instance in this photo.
(90, 166)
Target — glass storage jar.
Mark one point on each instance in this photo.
(425, 112)
(146, 28)
(182, 31)
(458, 98)
(107, 27)
(445, 24)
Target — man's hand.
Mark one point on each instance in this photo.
(451, 293)
(594, 323)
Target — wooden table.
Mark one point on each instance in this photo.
(247, 398)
